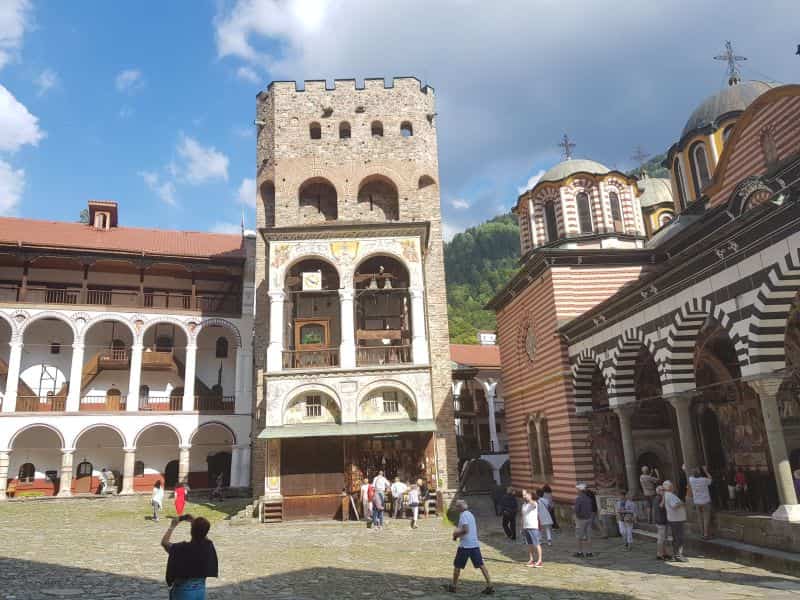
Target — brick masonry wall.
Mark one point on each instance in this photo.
(287, 158)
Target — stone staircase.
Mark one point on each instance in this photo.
(260, 510)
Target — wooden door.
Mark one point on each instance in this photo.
(83, 478)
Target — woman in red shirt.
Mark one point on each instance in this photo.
(180, 498)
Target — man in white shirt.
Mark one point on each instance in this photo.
(398, 489)
(676, 517)
(469, 548)
(701, 496)
(649, 483)
(530, 527)
(381, 484)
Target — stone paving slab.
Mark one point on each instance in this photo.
(109, 550)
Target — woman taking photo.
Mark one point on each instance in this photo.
(190, 562)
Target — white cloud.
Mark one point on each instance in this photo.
(200, 163)
(448, 231)
(248, 74)
(15, 18)
(247, 192)
(226, 227)
(47, 80)
(459, 203)
(129, 81)
(126, 112)
(532, 181)
(18, 126)
(244, 132)
(164, 189)
(12, 182)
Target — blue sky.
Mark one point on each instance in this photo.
(151, 103)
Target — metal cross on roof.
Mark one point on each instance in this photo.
(734, 76)
(566, 147)
(639, 155)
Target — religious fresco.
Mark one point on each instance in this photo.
(742, 432)
(607, 457)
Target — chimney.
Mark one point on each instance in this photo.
(102, 214)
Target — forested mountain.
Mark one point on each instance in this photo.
(478, 262)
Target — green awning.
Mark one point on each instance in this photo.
(347, 429)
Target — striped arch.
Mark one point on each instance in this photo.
(770, 312)
(623, 366)
(582, 371)
(682, 339)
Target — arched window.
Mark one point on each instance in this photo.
(55, 347)
(318, 201)
(584, 212)
(315, 131)
(550, 221)
(138, 469)
(377, 129)
(406, 130)
(664, 219)
(700, 170)
(726, 133)
(27, 473)
(344, 130)
(222, 347)
(679, 182)
(533, 448)
(616, 212)
(268, 202)
(547, 459)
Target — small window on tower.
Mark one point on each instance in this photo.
(584, 212)
(315, 131)
(616, 212)
(406, 130)
(55, 347)
(377, 129)
(344, 130)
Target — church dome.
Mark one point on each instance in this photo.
(655, 191)
(572, 166)
(734, 98)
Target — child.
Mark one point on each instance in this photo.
(157, 499)
(545, 518)
(626, 511)
(413, 502)
(530, 527)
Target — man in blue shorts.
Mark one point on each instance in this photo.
(468, 548)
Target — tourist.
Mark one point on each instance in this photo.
(683, 484)
(469, 548)
(216, 493)
(377, 510)
(626, 516)
(103, 482)
(583, 522)
(398, 490)
(660, 519)
(595, 511)
(701, 496)
(190, 563)
(676, 519)
(530, 527)
(742, 490)
(508, 506)
(381, 485)
(413, 502)
(545, 516)
(551, 505)
(649, 482)
(157, 499)
(423, 494)
(366, 499)
(181, 491)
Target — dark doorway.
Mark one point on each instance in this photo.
(171, 474)
(650, 459)
(219, 463)
(712, 441)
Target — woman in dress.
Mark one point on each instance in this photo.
(157, 499)
(180, 498)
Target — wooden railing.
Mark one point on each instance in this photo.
(102, 403)
(206, 302)
(157, 359)
(161, 403)
(215, 404)
(382, 355)
(40, 404)
(311, 359)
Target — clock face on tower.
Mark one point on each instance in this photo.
(312, 281)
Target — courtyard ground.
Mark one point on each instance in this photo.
(96, 549)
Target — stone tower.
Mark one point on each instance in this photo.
(351, 337)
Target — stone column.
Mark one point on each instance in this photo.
(419, 341)
(127, 471)
(682, 405)
(75, 378)
(624, 414)
(183, 464)
(135, 379)
(347, 349)
(490, 387)
(65, 483)
(457, 385)
(4, 472)
(275, 348)
(244, 362)
(188, 377)
(789, 510)
(12, 378)
(235, 466)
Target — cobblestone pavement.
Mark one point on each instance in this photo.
(91, 549)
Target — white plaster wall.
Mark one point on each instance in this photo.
(208, 364)
(36, 353)
(155, 447)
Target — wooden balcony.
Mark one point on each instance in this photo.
(383, 355)
(114, 358)
(161, 403)
(158, 360)
(223, 405)
(40, 404)
(102, 403)
(324, 358)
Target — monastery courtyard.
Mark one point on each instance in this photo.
(107, 549)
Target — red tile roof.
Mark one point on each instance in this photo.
(475, 355)
(59, 234)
